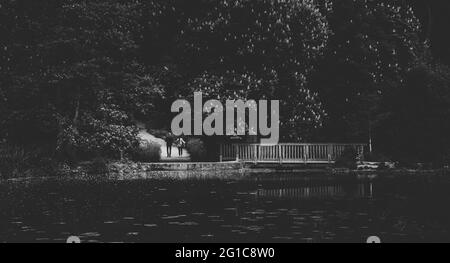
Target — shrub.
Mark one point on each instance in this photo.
(147, 152)
(376, 157)
(17, 161)
(13, 161)
(446, 161)
(197, 150)
(382, 166)
(98, 166)
(348, 159)
(96, 135)
(47, 167)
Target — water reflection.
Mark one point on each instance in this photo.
(275, 209)
(362, 190)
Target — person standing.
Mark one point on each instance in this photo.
(169, 144)
(180, 144)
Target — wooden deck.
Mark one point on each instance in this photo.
(318, 153)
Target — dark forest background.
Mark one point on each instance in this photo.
(76, 76)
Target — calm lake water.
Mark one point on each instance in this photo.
(277, 208)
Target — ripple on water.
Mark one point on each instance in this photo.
(93, 241)
(362, 214)
(307, 239)
(318, 212)
(90, 234)
(42, 239)
(184, 223)
(282, 238)
(172, 217)
(251, 220)
(198, 214)
(110, 222)
(254, 228)
(258, 212)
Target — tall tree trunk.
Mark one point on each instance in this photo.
(430, 22)
(370, 137)
(77, 111)
(76, 114)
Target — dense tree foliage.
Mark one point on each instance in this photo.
(418, 127)
(72, 76)
(435, 19)
(372, 47)
(365, 80)
(243, 49)
(77, 75)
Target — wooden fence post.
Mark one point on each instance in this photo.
(280, 153)
(305, 153)
(330, 153)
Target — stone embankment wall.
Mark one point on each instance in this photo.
(175, 170)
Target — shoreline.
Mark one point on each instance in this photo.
(219, 171)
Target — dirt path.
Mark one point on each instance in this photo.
(145, 136)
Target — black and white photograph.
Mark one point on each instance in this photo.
(240, 126)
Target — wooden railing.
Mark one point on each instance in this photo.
(286, 152)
